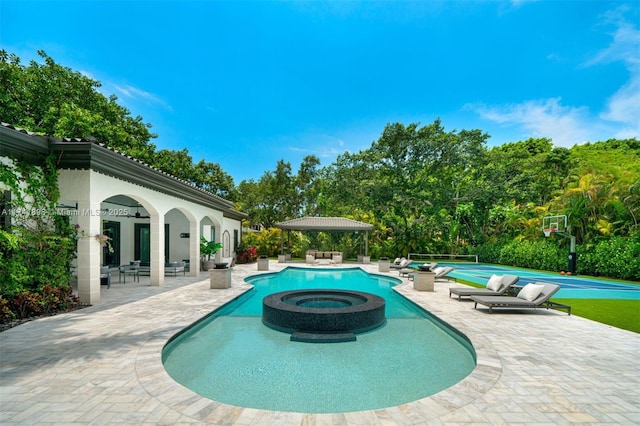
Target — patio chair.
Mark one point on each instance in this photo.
(497, 285)
(132, 269)
(441, 272)
(105, 274)
(401, 264)
(532, 296)
(407, 272)
(174, 268)
(311, 260)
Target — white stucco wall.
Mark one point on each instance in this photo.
(89, 189)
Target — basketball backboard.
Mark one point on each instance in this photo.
(554, 224)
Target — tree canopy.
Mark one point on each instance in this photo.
(50, 99)
(424, 188)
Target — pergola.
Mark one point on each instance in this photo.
(319, 224)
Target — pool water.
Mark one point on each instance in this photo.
(233, 358)
(571, 286)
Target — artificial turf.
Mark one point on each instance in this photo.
(623, 314)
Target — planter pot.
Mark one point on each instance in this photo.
(383, 265)
(208, 264)
(423, 281)
(263, 264)
(220, 265)
(220, 278)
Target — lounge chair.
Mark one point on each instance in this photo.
(441, 272)
(401, 264)
(531, 296)
(105, 276)
(496, 286)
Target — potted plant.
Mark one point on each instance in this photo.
(208, 249)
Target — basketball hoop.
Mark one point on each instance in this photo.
(548, 231)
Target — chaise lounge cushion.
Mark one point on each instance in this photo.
(494, 283)
(506, 282)
(530, 292)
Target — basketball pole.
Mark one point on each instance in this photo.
(558, 225)
(573, 257)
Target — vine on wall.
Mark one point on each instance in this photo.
(36, 250)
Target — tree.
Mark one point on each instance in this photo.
(57, 101)
(54, 100)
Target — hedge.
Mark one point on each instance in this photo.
(614, 257)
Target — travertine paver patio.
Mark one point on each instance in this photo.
(102, 365)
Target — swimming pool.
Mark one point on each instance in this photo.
(571, 286)
(231, 357)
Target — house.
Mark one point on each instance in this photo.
(148, 214)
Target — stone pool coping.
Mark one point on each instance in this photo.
(103, 365)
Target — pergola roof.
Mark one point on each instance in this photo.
(324, 224)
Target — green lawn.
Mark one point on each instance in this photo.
(623, 314)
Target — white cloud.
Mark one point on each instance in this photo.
(625, 44)
(541, 118)
(622, 107)
(322, 146)
(569, 125)
(132, 93)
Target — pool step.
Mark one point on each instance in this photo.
(299, 336)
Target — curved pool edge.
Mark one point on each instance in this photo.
(173, 396)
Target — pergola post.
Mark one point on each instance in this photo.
(366, 243)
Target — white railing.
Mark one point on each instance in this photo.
(440, 256)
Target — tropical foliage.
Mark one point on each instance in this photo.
(424, 188)
(36, 254)
(50, 99)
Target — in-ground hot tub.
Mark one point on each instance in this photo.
(321, 315)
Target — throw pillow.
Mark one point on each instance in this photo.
(494, 283)
(530, 292)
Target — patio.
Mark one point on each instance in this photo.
(102, 365)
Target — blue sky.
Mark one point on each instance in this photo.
(247, 83)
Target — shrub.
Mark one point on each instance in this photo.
(6, 314)
(26, 304)
(246, 254)
(614, 257)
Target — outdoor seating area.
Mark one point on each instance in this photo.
(336, 259)
(315, 257)
(319, 255)
(174, 268)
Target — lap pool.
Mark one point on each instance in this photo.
(571, 287)
(233, 358)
